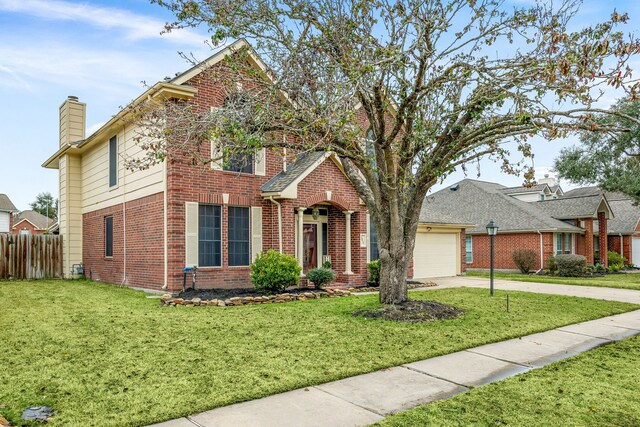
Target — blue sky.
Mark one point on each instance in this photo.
(102, 51)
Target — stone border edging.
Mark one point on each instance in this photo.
(170, 300)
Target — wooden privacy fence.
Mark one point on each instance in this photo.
(30, 257)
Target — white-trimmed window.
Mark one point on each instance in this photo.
(469, 249)
(562, 243)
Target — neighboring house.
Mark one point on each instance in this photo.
(624, 228)
(7, 210)
(561, 225)
(142, 228)
(32, 222)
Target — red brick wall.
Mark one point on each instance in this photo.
(613, 243)
(504, 246)
(144, 243)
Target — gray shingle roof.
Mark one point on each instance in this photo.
(590, 191)
(39, 220)
(6, 204)
(626, 216)
(572, 207)
(294, 170)
(477, 202)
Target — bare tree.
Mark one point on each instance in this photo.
(403, 92)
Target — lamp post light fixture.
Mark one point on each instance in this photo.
(492, 230)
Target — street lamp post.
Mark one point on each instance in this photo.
(492, 230)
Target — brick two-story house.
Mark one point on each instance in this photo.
(141, 228)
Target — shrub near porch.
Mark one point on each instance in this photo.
(102, 355)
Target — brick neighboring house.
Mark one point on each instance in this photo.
(142, 228)
(7, 209)
(623, 230)
(541, 218)
(32, 222)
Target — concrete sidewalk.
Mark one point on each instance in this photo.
(368, 398)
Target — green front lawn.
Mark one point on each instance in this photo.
(109, 356)
(596, 388)
(623, 281)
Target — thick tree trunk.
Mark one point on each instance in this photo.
(393, 278)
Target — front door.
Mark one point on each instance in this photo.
(310, 247)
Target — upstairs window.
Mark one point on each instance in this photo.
(240, 162)
(113, 161)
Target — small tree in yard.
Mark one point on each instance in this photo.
(524, 259)
(433, 84)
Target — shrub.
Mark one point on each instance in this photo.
(524, 259)
(274, 272)
(321, 277)
(551, 264)
(374, 271)
(571, 265)
(326, 265)
(616, 261)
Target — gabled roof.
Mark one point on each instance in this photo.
(39, 221)
(284, 184)
(576, 207)
(477, 202)
(6, 205)
(591, 191)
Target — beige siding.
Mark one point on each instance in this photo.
(70, 210)
(131, 185)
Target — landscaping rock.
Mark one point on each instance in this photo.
(37, 413)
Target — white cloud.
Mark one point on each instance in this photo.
(15, 78)
(134, 26)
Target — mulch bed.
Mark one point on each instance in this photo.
(413, 311)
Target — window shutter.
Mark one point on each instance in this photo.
(261, 162)
(191, 234)
(215, 150)
(256, 231)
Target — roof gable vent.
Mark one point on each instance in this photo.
(454, 187)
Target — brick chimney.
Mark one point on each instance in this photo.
(73, 115)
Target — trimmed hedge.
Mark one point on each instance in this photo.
(274, 272)
(571, 265)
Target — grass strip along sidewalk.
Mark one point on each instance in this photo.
(618, 280)
(596, 388)
(108, 356)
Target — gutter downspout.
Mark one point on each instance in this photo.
(541, 254)
(621, 245)
(124, 205)
(279, 222)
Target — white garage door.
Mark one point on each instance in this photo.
(635, 250)
(435, 255)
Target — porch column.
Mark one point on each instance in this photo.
(300, 235)
(347, 254)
